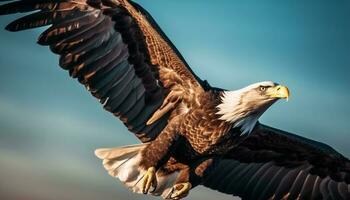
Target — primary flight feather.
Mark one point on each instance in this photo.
(192, 133)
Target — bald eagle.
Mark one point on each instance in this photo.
(192, 133)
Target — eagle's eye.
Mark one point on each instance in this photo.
(262, 88)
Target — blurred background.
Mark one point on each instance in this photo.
(50, 126)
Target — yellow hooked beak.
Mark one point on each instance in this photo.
(279, 91)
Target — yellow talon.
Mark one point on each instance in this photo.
(180, 190)
(149, 180)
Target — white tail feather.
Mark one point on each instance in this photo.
(123, 163)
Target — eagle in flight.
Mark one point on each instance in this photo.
(192, 133)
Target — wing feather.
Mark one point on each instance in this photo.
(273, 164)
(117, 51)
(273, 184)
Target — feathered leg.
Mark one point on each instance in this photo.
(188, 177)
(156, 154)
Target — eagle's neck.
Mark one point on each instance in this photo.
(234, 111)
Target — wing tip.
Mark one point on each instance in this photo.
(10, 28)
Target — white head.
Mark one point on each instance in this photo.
(243, 107)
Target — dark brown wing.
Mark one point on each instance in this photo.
(118, 52)
(273, 164)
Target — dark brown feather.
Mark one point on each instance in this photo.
(116, 50)
(293, 167)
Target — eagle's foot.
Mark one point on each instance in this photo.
(149, 180)
(180, 190)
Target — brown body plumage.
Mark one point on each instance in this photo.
(192, 133)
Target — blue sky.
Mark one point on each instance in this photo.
(49, 124)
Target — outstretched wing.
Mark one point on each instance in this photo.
(116, 50)
(273, 164)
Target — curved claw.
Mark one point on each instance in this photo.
(149, 180)
(180, 190)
